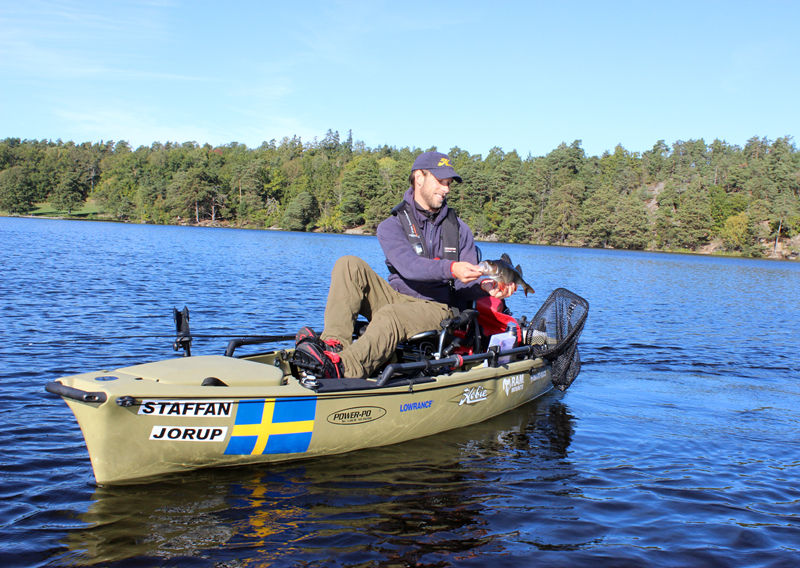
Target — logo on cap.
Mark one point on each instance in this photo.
(444, 162)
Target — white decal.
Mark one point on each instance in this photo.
(513, 384)
(539, 375)
(473, 395)
(189, 433)
(187, 408)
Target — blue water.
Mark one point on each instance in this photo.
(677, 445)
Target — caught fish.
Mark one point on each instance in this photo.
(503, 272)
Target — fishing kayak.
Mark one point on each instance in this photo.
(191, 412)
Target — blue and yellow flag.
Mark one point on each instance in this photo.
(282, 426)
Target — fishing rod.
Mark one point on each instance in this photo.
(87, 338)
(182, 339)
(184, 336)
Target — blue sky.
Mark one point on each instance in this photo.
(522, 76)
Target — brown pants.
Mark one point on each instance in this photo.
(393, 317)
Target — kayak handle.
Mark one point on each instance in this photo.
(75, 394)
(254, 340)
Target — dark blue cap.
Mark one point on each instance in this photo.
(436, 163)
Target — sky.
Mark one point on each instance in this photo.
(524, 76)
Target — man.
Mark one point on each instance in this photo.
(432, 259)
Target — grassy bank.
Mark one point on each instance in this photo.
(89, 210)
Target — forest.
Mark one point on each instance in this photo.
(688, 196)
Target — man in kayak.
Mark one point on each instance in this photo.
(432, 262)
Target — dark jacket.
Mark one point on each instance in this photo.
(428, 278)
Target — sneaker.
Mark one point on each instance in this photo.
(306, 334)
(323, 364)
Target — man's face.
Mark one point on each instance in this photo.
(431, 192)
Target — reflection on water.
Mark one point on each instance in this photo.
(404, 502)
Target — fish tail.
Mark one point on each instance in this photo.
(526, 288)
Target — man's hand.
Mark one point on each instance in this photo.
(465, 271)
(499, 290)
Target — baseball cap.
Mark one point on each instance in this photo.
(436, 163)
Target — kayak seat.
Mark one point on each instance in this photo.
(457, 335)
(466, 333)
(450, 338)
(424, 335)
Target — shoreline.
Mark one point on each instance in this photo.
(787, 250)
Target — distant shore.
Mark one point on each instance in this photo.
(786, 249)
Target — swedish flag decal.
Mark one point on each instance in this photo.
(276, 426)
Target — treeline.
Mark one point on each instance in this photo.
(678, 197)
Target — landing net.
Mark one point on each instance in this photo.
(562, 316)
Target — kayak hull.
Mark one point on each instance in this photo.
(182, 414)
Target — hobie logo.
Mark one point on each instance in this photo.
(473, 395)
(444, 162)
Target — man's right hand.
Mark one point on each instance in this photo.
(465, 271)
(499, 290)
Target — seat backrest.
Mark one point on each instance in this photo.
(492, 318)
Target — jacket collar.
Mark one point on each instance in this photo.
(440, 217)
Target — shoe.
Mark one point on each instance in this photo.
(323, 364)
(306, 334)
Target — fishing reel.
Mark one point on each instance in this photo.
(184, 336)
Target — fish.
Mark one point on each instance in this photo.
(504, 272)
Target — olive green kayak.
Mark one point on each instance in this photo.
(193, 412)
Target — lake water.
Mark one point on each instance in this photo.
(677, 445)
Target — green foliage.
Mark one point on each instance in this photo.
(16, 191)
(693, 218)
(68, 194)
(737, 232)
(793, 225)
(630, 223)
(723, 205)
(562, 214)
(597, 226)
(332, 223)
(672, 197)
(362, 184)
(300, 214)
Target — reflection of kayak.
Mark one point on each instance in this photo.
(204, 411)
(535, 435)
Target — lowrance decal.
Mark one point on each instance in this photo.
(357, 415)
(424, 405)
(186, 408)
(539, 375)
(189, 433)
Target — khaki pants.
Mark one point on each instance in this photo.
(393, 317)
